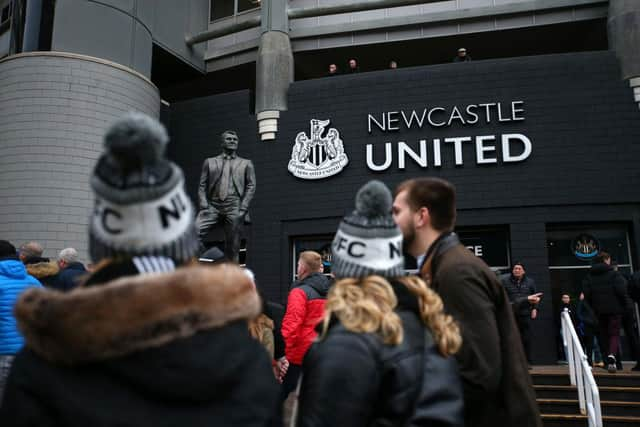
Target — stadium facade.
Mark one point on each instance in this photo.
(539, 132)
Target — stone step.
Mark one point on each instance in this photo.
(603, 379)
(558, 420)
(629, 394)
(571, 407)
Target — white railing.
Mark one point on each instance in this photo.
(580, 373)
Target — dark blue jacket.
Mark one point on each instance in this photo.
(13, 280)
(69, 277)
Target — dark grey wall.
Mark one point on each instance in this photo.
(123, 31)
(579, 116)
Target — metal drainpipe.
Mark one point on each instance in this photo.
(31, 41)
(274, 68)
(624, 39)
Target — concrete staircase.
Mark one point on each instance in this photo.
(558, 400)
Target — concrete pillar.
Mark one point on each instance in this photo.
(274, 68)
(54, 109)
(624, 39)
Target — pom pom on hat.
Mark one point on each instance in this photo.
(368, 241)
(373, 200)
(141, 207)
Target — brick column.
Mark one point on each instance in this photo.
(54, 109)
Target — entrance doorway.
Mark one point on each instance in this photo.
(571, 249)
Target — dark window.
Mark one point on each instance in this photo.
(247, 5)
(575, 246)
(225, 8)
(490, 243)
(221, 9)
(6, 13)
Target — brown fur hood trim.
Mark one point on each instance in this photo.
(133, 313)
(43, 269)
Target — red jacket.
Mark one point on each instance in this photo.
(305, 308)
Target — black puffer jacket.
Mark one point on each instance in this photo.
(605, 289)
(518, 293)
(353, 379)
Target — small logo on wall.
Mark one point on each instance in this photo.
(319, 156)
(585, 246)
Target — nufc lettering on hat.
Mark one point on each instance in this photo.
(109, 216)
(358, 249)
(514, 147)
(376, 253)
(166, 218)
(106, 213)
(178, 207)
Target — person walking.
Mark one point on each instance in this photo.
(14, 280)
(43, 269)
(71, 270)
(305, 308)
(606, 291)
(497, 385)
(383, 356)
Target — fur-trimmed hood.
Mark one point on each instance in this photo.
(40, 270)
(133, 313)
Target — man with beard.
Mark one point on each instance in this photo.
(493, 367)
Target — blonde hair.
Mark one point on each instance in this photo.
(445, 330)
(366, 305)
(312, 259)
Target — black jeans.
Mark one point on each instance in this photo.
(290, 380)
(524, 326)
(288, 385)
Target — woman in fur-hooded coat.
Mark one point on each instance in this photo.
(151, 350)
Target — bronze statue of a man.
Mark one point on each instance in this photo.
(227, 185)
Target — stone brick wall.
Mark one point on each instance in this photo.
(54, 109)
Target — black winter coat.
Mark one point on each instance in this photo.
(518, 293)
(168, 349)
(353, 379)
(605, 289)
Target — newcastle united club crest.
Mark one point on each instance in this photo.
(320, 156)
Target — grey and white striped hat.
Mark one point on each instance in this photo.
(141, 207)
(368, 241)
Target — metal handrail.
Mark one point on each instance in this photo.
(580, 373)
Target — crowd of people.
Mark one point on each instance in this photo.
(157, 333)
(606, 307)
(353, 67)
